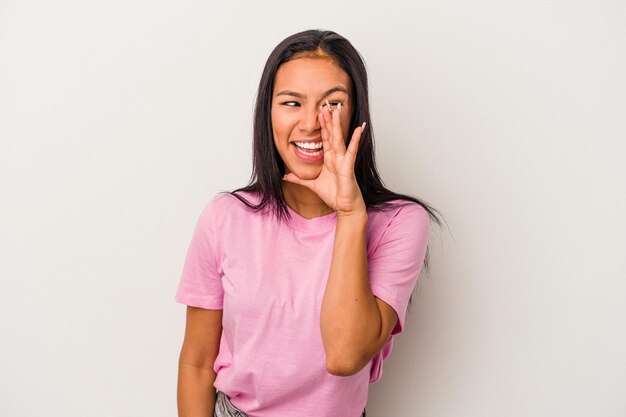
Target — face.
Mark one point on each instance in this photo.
(301, 87)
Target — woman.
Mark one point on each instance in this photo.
(296, 283)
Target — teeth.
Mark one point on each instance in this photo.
(309, 145)
(312, 153)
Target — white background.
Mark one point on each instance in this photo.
(120, 119)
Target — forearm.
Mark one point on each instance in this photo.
(350, 320)
(196, 394)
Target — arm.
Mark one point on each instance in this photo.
(355, 325)
(196, 393)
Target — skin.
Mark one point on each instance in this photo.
(301, 89)
(195, 391)
(354, 323)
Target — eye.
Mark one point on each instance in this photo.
(332, 103)
(291, 104)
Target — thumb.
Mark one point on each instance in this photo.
(291, 177)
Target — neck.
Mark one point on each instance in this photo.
(304, 201)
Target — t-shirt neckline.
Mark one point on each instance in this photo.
(320, 223)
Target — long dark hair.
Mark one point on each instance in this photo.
(268, 167)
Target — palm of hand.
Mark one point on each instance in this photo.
(336, 184)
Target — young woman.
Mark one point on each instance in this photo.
(297, 283)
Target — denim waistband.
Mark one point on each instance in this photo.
(224, 408)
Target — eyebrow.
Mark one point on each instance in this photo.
(299, 95)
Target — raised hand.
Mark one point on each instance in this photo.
(336, 184)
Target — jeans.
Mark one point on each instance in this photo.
(223, 407)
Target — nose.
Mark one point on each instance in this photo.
(309, 121)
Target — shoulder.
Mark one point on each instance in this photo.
(225, 201)
(225, 208)
(403, 223)
(400, 212)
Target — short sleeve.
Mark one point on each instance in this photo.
(394, 267)
(200, 283)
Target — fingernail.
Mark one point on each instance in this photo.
(339, 106)
(363, 125)
(328, 104)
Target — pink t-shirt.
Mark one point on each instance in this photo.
(269, 279)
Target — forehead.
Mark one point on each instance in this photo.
(310, 75)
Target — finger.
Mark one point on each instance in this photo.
(353, 146)
(331, 121)
(328, 119)
(328, 122)
(339, 145)
(324, 132)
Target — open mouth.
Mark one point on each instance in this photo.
(310, 151)
(309, 147)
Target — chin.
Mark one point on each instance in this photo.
(307, 174)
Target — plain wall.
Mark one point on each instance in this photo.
(120, 119)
